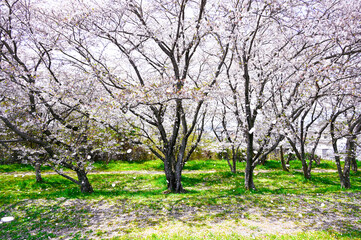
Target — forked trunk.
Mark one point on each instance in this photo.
(346, 183)
(173, 175)
(345, 174)
(302, 157)
(85, 186)
(232, 164)
(174, 181)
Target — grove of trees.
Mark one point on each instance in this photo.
(79, 79)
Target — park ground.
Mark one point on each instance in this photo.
(130, 202)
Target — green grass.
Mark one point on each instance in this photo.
(157, 165)
(9, 168)
(131, 205)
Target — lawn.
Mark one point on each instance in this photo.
(129, 203)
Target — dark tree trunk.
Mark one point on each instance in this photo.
(351, 152)
(234, 159)
(302, 157)
(38, 177)
(306, 170)
(248, 178)
(174, 181)
(309, 168)
(173, 175)
(354, 164)
(85, 186)
(346, 175)
(263, 160)
(178, 177)
(350, 145)
(232, 164)
(289, 158)
(229, 163)
(343, 175)
(284, 167)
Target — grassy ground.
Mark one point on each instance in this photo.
(129, 203)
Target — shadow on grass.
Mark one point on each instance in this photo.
(40, 221)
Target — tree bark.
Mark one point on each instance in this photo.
(178, 177)
(248, 178)
(173, 175)
(302, 157)
(38, 177)
(343, 175)
(232, 164)
(284, 167)
(263, 160)
(347, 167)
(85, 186)
(234, 159)
(354, 164)
(351, 152)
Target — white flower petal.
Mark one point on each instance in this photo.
(7, 219)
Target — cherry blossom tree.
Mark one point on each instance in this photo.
(345, 122)
(73, 73)
(41, 97)
(282, 63)
(156, 64)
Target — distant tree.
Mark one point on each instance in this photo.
(306, 131)
(282, 59)
(345, 123)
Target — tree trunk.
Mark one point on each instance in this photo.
(248, 178)
(229, 162)
(305, 169)
(284, 167)
(289, 156)
(343, 175)
(354, 164)
(346, 169)
(232, 164)
(263, 160)
(38, 177)
(346, 180)
(351, 152)
(173, 175)
(174, 181)
(302, 157)
(178, 177)
(234, 159)
(85, 186)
